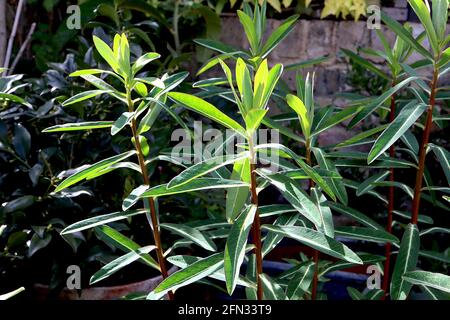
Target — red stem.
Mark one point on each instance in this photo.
(423, 147)
(256, 233)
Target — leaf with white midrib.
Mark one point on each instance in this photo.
(194, 185)
(191, 234)
(203, 168)
(366, 185)
(100, 220)
(183, 261)
(293, 193)
(81, 175)
(301, 281)
(335, 184)
(316, 240)
(117, 264)
(406, 261)
(405, 119)
(367, 234)
(235, 246)
(356, 215)
(429, 279)
(192, 273)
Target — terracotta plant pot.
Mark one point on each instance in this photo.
(101, 293)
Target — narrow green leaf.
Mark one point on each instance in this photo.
(235, 246)
(301, 282)
(444, 159)
(124, 243)
(119, 263)
(206, 109)
(271, 289)
(237, 197)
(406, 261)
(84, 96)
(192, 273)
(100, 220)
(194, 185)
(377, 102)
(278, 35)
(356, 215)
(106, 52)
(192, 234)
(316, 240)
(366, 234)
(79, 126)
(428, 279)
(405, 119)
(292, 192)
(83, 174)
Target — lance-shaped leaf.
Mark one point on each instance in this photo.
(183, 261)
(192, 234)
(278, 35)
(235, 246)
(341, 265)
(292, 192)
(298, 106)
(100, 220)
(311, 172)
(365, 64)
(202, 168)
(422, 11)
(405, 119)
(319, 199)
(336, 185)
(428, 279)
(244, 83)
(271, 289)
(83, 174)
(275, 209)
(367, 184)
(120, 123)
(120, 241)
(84, 96)
(119, 263)
(356, 215)
(144, 60)
(79, 126)
(107, 53)
(405, 35)
(237, 197)
(406, 261)
(249, 30)
(316, 240)
(301, 281)
(444, 159)
(377, 102)
(366, 234)
(206, 109)
(194, 185)
(272, 239)
(192, 273)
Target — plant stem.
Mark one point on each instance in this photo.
(315, 252)
(388, 246)
(256, 226)
(148, 202)
(423, 147)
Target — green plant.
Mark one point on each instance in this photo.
(146, 102)
(306, 219)
(394, 57)
(404, 276)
